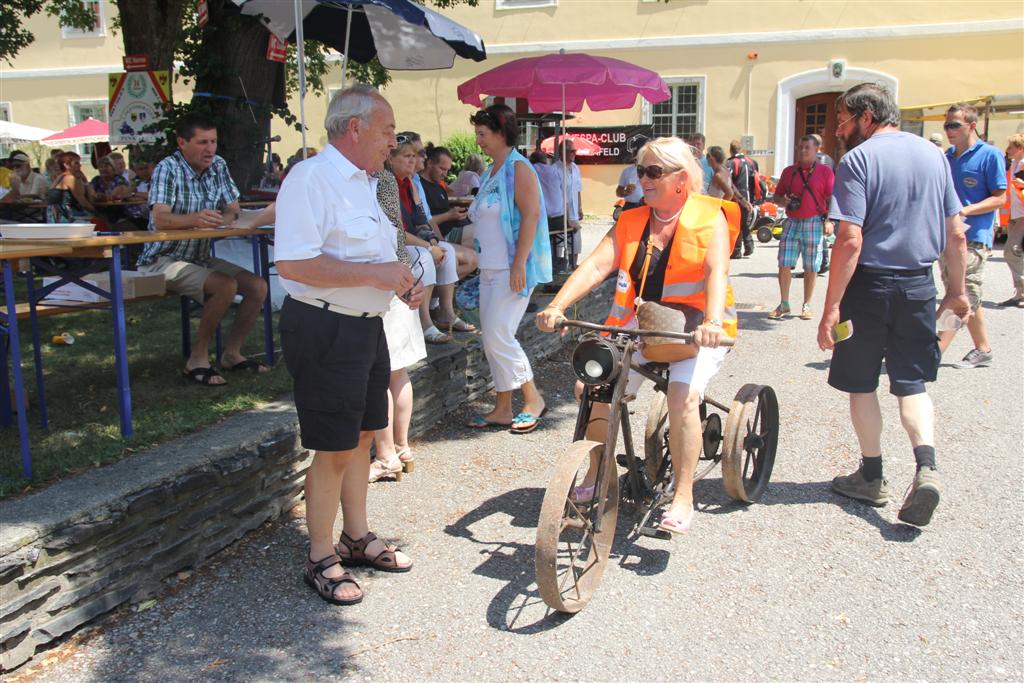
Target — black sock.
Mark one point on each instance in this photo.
(871, 467)
(925, 456)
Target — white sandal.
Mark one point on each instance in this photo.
(379, 470)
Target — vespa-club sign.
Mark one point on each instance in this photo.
(619, 144)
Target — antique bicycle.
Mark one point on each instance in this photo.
(574, 538)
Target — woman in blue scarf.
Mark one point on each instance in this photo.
(511, 232)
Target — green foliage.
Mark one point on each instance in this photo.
(14, 37)
(461, 145)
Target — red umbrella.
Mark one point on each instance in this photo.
(584, 147)
(82, 133)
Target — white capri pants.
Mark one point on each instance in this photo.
(444, 273)
(501, 311)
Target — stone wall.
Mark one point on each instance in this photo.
(89, 544)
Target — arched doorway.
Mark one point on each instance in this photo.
(814, 82)
(816, 114)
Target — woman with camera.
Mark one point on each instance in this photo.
(673, 252)
(805, 189)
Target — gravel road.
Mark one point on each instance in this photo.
(802, 586)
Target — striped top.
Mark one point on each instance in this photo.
(176, 184)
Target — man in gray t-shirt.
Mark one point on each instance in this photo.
(897, 211)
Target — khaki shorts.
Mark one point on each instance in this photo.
(977, 255)
(187, 279)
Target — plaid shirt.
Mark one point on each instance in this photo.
(177, 185)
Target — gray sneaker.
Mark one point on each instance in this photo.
(974, 359)
(922, 498)
(855, 486)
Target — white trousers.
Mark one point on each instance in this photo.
(444, 273)
(501, 311)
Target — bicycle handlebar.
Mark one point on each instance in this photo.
(636, 332)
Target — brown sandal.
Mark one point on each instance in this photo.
(386, 560)
(324, 585)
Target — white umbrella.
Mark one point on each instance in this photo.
(19, 132)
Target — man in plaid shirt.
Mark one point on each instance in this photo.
(193, 189)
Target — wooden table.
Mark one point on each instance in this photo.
(99, 252)
(9, 339)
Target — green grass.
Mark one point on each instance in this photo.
(81, 392)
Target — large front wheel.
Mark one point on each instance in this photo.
(574, 536)
(751, 437)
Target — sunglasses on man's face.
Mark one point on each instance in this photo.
(952, 125)
(653, 171)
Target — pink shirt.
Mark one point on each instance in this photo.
(819, 184)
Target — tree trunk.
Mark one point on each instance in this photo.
(243, 90)
(153, 28)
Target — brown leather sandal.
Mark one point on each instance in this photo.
(325, 585)
(385, 561)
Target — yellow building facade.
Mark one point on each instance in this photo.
(767, 70)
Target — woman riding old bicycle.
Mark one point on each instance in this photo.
(673, 251)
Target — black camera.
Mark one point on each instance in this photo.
(793, 204)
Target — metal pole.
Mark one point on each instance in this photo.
(344, 56)
(300, 57)
(565, 187)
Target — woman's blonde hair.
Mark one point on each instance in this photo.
(1017, 140)
(674, 155)
(475, 163)
(401, 147)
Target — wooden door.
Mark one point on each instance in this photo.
(817, 114)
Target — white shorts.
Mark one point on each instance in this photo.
(696, 371)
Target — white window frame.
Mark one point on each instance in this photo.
(6, 114)
(523, 4)
(672, 82)
(69, 32)
(85, 151)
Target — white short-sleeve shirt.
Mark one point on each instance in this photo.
(551, 186)
(629, 177)
(575, 185)
(328, 206)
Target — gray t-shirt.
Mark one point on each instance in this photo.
(898, 188)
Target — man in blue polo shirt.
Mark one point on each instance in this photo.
(979, 175)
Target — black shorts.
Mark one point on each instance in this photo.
(341, 368)
(893, 314)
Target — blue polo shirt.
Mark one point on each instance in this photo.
(977, 174)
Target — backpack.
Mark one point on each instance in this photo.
(760, 186)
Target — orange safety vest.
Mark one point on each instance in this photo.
(1016, 186)
(684, 274)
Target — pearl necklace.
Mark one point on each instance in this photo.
(670, 218)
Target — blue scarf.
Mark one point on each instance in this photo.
(502, 188)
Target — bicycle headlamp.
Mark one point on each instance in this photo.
(595, 360)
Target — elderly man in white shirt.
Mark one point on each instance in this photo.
(335, 254)
(574, 193)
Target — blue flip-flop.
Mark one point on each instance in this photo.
(481, 422)
(524, 423)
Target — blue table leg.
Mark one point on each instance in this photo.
(6, 416)
(19, 380)
(124, 391)
(37, 349)
(261, 265)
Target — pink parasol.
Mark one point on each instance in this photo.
(567, 81)
(584, 147)
(85, 132)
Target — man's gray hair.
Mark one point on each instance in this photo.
(356, 102)
(872, 97)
